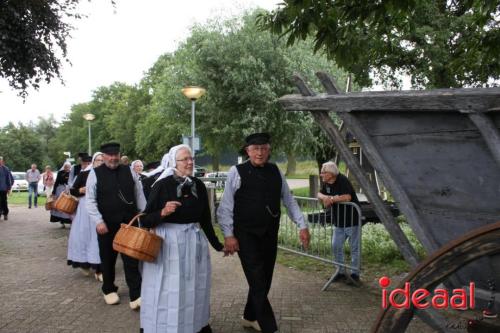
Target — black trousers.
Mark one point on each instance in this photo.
(108, 263)
(258, 256)
(4, 209)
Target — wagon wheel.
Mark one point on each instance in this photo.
(483, 241)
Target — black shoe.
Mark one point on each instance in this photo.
(355, 277)
(339, 277)
(5, 217)
(29, 207)
(206, 329)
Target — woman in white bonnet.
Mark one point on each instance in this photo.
(175, 288)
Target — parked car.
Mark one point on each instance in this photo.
(199, 171)
(220, 182)
(217, 174)
(20, 182)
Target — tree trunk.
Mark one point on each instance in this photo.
(215, 162)
(291, 165)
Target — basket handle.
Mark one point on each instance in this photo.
(152, 230)
(135, 218)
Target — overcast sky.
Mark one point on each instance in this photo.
(116, 44)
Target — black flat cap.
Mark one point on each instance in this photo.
(152, 165)
(257, 139)
(110, 148)
(87, 158)
(82, 155)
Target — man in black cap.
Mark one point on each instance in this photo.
(77, 168)
(249, 215)
(114, 196)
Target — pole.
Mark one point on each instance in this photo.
(90, 141)
(193, 102)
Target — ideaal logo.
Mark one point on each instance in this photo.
(441, 299)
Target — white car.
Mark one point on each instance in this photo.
(220, 180)
(20, 182)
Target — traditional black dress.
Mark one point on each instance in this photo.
(60, 186)
(175, 289)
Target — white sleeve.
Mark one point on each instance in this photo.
(226, 206)
(91, 198)
(291, 205)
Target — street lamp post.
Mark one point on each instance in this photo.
(193, 93)
(89, 117)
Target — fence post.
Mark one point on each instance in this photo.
(313, 186)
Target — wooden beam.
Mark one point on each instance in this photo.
(328, 126)
(489, 132)
(465, 100)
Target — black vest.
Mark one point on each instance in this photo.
(115, 194)
(257, 203)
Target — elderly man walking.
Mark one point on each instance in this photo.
(33, 177)
(6, 181)
(249, 215)
(114, 196)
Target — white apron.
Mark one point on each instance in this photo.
(82, 243)
(175, 292)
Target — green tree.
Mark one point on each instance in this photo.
(46, 128)
(33, 35)
(440, 44)
(245, 70)
(165, 117)
(20, 145)
(121, 107)
(118, 109)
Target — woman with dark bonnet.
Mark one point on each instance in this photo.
(60, 186)
(83, 247)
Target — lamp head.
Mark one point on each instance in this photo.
(88, 116)
(193, 92)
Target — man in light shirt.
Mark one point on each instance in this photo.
(114, 196)
(249, 216)
(33, 177)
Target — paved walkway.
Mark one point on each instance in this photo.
(41, 294)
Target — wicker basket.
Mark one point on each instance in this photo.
(136, 242)
(49, 205)
(66, 203)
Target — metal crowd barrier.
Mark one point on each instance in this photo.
(322, 223)
(215, 186)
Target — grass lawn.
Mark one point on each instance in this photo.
(21, 198)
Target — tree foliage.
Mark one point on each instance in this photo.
(20, 145)
(245, 70)
(440, 44)
(33, 40)
(117, 109)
